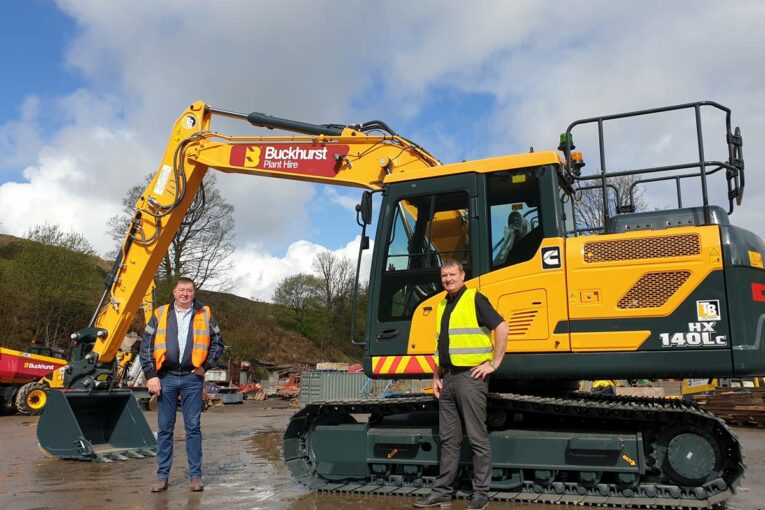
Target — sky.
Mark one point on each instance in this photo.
(90, 90)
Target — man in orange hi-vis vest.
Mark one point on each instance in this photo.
(180, 343)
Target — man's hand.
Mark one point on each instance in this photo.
(154, 385)
(438, 385)
(200, 371)
(482, 370)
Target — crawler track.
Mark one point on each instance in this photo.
(665, 473)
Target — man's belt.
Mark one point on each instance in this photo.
(177, 372)
(455, 370)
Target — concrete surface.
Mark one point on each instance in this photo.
(243, 470)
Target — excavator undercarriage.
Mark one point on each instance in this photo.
(582, 449)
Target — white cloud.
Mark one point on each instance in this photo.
(79, 177)
(347, 202)
(258, 272)
(20, 140)
(542, 67)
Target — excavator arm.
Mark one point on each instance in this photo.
(329, 154)
(357, 156)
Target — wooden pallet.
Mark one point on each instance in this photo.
(742, 407)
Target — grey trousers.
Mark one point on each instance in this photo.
(463, 401)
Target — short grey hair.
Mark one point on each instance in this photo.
(453, 263)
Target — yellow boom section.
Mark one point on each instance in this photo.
(351, 158)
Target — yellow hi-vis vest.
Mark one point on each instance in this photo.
(200, 331)
(469, 344)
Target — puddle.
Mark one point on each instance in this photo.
(267, 445)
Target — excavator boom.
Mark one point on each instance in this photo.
(91, 419)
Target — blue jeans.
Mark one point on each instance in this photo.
(189, 387)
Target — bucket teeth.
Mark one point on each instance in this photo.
(117, 456)
(133, 454)
(100, 458)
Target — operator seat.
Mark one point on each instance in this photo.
(517, 228)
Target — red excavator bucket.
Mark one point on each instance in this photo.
(96, 426)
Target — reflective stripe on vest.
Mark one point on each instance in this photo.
(200, 332)
(469, 344)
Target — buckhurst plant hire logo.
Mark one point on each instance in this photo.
(306, 158)
(38, 366)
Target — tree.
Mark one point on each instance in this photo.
(47, 292)
(52, 235)
(297, 292)
(589, 204)
(202, 247)
(320, 306)
(337, 276)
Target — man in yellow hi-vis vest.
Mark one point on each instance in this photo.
(465, 356)
(180, 343)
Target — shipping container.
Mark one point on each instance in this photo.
(320, 386)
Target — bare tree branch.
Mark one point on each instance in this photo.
(52, 235)
(202, 247)
(589, 204)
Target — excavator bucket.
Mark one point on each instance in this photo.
(96, 426)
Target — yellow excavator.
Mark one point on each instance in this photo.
(673, 293)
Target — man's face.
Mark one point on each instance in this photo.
(183, 293)
(452, 279)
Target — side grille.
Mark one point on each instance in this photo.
(520, 322)
(652, 290)
(645, 248)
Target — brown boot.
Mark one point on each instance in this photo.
(196, 484)
(160, 485)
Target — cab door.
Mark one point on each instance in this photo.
(526, 277)
(423, 223)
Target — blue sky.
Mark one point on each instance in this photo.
(32, 45)
(90, 90)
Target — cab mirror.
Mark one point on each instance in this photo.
(365, 208)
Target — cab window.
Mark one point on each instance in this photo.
(514, 216)
(426, 231)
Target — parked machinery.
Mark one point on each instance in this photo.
(24, 378)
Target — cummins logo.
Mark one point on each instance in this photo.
(551, 258)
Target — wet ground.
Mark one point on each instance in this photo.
(242, 466)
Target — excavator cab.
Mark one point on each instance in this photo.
(648, 294)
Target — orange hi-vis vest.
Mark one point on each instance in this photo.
(200, 327)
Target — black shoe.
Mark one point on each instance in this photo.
(477, 503)
(433, 500)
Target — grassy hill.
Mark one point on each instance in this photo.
(46, 293)
(252, 331)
